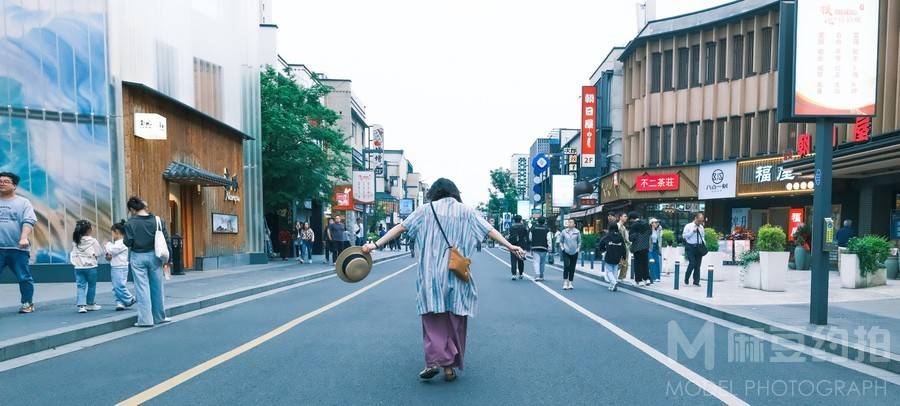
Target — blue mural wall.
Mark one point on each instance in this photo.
(54, 116)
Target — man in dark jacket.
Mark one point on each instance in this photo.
(540, 245)
(518, 235)
(639, 235)
(613, 246)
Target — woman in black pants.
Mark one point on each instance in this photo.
(569, 246)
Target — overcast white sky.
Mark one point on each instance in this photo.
(461, 85)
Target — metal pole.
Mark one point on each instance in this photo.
(592, 260)
(709, 280)
(818, 293)
(677, 273)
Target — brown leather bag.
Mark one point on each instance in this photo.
(458, 263)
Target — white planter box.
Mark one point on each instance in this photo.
(752, 277)
(714, 259)
(851, 279)
(773, 270)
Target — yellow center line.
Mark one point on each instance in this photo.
(176, 380)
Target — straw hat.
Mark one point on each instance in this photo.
(352, 265)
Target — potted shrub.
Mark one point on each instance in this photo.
(802, 239)
(714, 257)
(773, 259)
(750, 270)
(861, 266)
(588, 244)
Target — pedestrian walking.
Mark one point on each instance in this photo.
(639, 234)
(569, 247)
(298, 241)
(843, 236)
(695, 248)
(17, 222)
(612, 245)
(623, 230)
(329, 243)
(146, 267)
(338, 236)
(518, 235)
(117, 255)
(539, 237)
(443, 300)
(85, 254)
(655, 250)
(554, 242)
(285, 244)
(360, 232)
(307, 238)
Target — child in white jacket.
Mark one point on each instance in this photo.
(85, 253)
(117, 255)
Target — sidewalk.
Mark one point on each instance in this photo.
(55, 321)
(860, 320)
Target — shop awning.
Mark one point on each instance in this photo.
(183, 173)
(584, 213)
(878, 156)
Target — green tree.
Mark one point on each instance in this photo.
(502, 196)
(302, 150)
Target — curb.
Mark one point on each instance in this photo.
(877, 358)
(45, 340)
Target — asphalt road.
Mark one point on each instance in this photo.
(528, 345)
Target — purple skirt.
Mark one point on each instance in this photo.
(444, 336)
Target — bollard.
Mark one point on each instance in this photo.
(583, 254)
(592, 260)
(709, 280)
(677, 273)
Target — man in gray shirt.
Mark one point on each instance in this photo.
(17, 221)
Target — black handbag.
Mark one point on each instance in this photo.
(700, 248)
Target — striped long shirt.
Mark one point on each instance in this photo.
(437, 289)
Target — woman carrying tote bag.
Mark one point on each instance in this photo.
(147, 238)
(444, 300)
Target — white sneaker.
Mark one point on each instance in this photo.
(81, 309)
(93, 307)
(571, 286)
(514, 277)
(520, 276)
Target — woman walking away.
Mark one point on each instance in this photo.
(655, 250)
(85, 253)
(117, 255)
(140, 232)
(569, 246)
(443, 300)
(613, 246)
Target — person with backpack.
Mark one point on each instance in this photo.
(540, 246)
(518, 235)
(146, 266)
(612, 245)
(85, 254)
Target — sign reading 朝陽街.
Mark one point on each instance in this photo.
(768, 176)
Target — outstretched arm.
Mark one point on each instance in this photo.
(388, 237)
(496, 236)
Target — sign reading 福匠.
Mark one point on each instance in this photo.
(588, 126)
(657, 183)
(804, 144)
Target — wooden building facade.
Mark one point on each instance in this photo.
(187, 177)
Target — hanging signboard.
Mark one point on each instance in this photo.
(406, 207)
(563, 191)
(364, 187)
(149, 126)
(343, 197)
(588, 126)
(767, 176)
(795, 218)
(718, 180)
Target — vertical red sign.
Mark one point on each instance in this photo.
(589, 120)
(795, 217)
(862, 129)
(804, 144)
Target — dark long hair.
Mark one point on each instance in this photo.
(136, 204)
(82, 227)
(119, 227)
(442, 188)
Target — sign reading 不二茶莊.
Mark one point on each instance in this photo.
(657, 183)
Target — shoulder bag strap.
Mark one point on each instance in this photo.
(158, 224)
(439, 224)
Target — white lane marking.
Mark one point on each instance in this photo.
(104, 338)
(845, 362)
(176, 380)
(680, 369)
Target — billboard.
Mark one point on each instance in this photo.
(588, 126)
(657, 183)
(523, 208)
(834, 57)
(407, 206)
(563, 190)
(364, 187)
(718, 180)
(342, 199)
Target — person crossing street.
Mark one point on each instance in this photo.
(518, 235)
(540, 246)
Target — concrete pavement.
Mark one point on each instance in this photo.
(528, 345)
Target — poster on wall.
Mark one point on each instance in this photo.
(718, 180)
(343, 197)
(364, 187)
(588, 126)
(224, 223)
(795, 218)
(407, 206)
(563, 191)
(836, 58)
(740, 217)
(523, 208)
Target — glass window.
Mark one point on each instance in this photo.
(654, 146)
(723, 58)
(745, 140)
(737, 57)
(655, 71)
(765, 51)
(773, 134)
(666, 149)
(775, 54)
(720, 139)
(762, 140)
(692, 137)
(667, 71)
(683, 63)
(710, 63)
(208, 87)
(734, 144)
(750, 69)
(680, 143)
(695, 65)
(707, 140)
